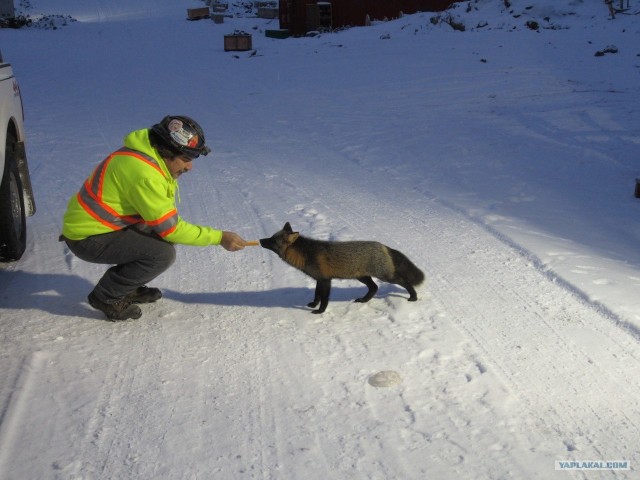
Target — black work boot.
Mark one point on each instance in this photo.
(144, 294)
(119, 310)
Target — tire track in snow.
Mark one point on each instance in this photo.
(564, 359)
(12, 416)
(112, 443)
(444, 401)
(549, 273)
(99, 435)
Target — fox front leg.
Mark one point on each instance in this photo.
(323, 289)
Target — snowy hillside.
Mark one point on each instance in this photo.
(501, 159)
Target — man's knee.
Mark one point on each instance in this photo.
(167, 254)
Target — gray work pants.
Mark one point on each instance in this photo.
(137, 257)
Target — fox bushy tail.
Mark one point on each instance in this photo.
(405, 269)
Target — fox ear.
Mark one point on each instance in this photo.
(287, 227)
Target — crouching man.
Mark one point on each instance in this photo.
(125, 215)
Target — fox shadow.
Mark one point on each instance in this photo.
(295, 297)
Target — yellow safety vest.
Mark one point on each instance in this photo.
(133, 188)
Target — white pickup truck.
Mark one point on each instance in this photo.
(16, 194)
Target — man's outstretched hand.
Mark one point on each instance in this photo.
(232, 241)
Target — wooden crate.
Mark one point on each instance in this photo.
(219, 7)
(237, 42)
(7, 9)
(269, 13)
(197, 13)
(279, 33)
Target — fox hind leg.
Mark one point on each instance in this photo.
(323, 289)
(373, 288)
(413, 296)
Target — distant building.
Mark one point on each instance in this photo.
(302, 16)
(7, 9)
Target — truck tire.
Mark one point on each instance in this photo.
(13, 231)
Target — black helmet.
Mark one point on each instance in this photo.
(182, 135)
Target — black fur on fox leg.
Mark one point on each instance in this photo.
(413, 296)
(323, 289)
(316, 298)
(373, 288)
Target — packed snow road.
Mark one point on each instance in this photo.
(503, 368)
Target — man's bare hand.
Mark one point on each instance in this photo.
(232, 241)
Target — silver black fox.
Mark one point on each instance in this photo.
(361, 260)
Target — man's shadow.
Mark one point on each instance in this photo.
(58, 294)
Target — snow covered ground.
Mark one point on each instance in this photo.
(502, 160)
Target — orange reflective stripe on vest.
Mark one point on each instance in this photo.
(165, 225)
